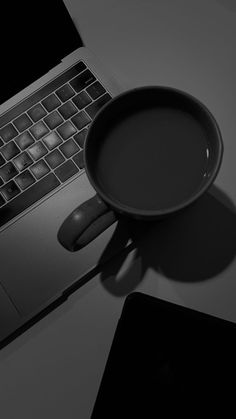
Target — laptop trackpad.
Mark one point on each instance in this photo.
(9, 316)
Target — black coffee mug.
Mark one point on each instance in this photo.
(149, 153)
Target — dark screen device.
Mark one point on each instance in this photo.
(167, 359)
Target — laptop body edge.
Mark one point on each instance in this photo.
(42, 269)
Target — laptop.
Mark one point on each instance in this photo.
(51, 89)
(167, 361)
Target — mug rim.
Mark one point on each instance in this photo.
(145, 213)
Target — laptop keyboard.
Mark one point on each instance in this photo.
(42, 139)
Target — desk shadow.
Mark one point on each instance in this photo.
(229, 5)
(193, 245)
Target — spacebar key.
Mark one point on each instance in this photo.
(28, 198)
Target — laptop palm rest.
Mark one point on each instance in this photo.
(9, 316)
(42, 268)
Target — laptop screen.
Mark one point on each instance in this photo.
(35, 36)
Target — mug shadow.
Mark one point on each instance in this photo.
(194, 245)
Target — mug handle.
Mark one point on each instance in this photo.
(85, 223)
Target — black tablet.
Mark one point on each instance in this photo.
(167, 359)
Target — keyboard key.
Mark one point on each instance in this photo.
(66, 170)
(53, 120)
(80, 120)
(79, 159)
(82, 81)
(22, 161)
(65, 92)
(1, 182)
(37, 151)
(24, 140)
(80, 137)
(10, 190)
(80, 66)
(8, 133)
(39, 130)
(1, 143)
(2, 201)
(28, 198)
(54, 159)
(22, 122)
(24, 180)
(2, 161)
(66, 130)
(96, 90)
(81, 100)
(37, 112)
(69, 148)
(8, 171)
(97, 105)
(10, 150)
(40, 169)
(51, 102)
(52, 140)
(67, 110)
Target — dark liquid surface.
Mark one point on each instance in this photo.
(153, 159)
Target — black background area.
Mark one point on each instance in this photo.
(34, 37)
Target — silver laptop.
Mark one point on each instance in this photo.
(51, 89)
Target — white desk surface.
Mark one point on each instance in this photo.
(54, 369)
